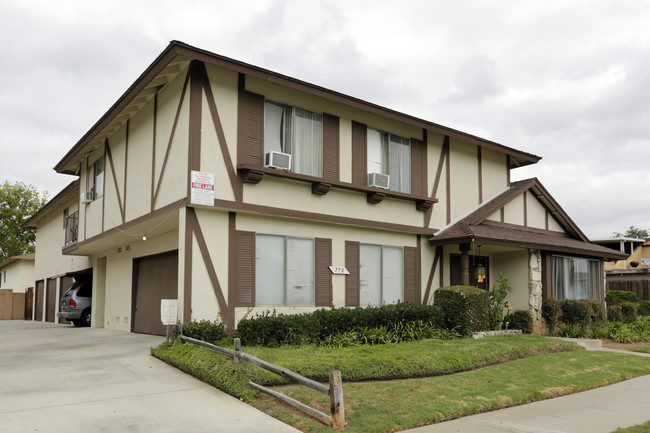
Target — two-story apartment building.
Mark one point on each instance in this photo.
(238, 190)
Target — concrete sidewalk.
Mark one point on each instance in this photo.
(600, 410)
(59, 378)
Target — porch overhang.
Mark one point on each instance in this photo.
(493, 234)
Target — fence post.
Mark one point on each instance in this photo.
(237, 351)
(336, 401)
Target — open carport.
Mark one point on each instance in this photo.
(59, 378)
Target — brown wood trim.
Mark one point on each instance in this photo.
(480, 174)
(195, 225)
(444, 154)
(418, 269)
(114, 176)
(153, 151)
(247, 170)
(359, 154)
(250, 128)
(331, 145)
(322, 274)
(434, 265)
(508, 169)
(244, 268)
(171, 139)
(126, 165)
(352, 281)
(547, 275)
(448, 179)
(187, 268)
(232, 263)
(410, 275)
(525, 209)
(196, 110)
(268, 210)
(202, 75)
(135, 274)
(123, 227)
(546, 220)
(502, 215)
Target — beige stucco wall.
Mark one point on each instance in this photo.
(463, 159)
(495, 173)
(514, 266)
(118, 284)
(17, 276)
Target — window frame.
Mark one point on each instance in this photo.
(288, 142)
(386, 141)
(99, 178)
(382, 278)
(285, 271)
(571, 291)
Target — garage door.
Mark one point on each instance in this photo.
(155, 278)
(50, 300)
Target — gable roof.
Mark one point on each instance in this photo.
(177, 55)
(10, 260)
(65, 194)
(477, 228)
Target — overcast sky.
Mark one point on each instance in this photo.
(566, 80)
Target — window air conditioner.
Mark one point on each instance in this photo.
(278, 160)
(378, 180)
(87, 197)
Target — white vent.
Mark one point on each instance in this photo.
(87, 197)
(278, 160)
(378, 180)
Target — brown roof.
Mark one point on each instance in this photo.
(166, 66)
(64, 194)
(10, 260)
(475, 227)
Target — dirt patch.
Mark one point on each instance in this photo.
(621, 346)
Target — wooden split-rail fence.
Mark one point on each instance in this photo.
(336, 419)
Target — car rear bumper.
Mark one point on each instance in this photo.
(69, 315)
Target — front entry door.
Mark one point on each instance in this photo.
(474, 263)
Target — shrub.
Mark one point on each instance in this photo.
(498, 301)
(522, 320)
(614, 313)
(618, 296)
(275, 329)
(465, 309)
(644, 308)
(210, 332)
(551, 314)
(575, 313)
(628, 311)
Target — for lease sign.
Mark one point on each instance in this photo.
(202, 190)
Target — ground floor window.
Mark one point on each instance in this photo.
(284, 270)
(381, 274)
(576, 278)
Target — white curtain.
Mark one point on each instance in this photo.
(376, 151)
(300, 271)
(399, 151)
(370, 274)
(273, 121)
(392, 275)
(269, 270)
(576, 278)
(307, 143)
(382, 274)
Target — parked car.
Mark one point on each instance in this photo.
(76, 303)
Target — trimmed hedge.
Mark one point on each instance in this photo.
(619, 296)
(275, 329)
(522, 320)
(571, 312)
(465, 309)
(210, 332)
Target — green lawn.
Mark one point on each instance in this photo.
(643, 428)
(497, 372)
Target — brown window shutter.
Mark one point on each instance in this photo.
(359, 154)
(418, 167)
(330, 147)
(245, 269)
(323, 277)
(411, 278)
(250, 129)
(352, 281)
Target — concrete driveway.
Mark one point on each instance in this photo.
(59, 378)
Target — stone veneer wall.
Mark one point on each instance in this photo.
(535, 289)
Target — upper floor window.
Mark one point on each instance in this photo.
(576, 278)
(381, 274)
(296, 132)
(98, 178)
(284, 270)
(71, 226)
(390, 154)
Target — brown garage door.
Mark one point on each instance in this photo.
(154, 278)
(50, 300)
(38, 300)
(64, 284)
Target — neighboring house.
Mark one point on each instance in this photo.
(632, 273)
(237, 190)
(56, 226)
(16, 283)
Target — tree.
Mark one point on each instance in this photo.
(633, 232)
(18, 202)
